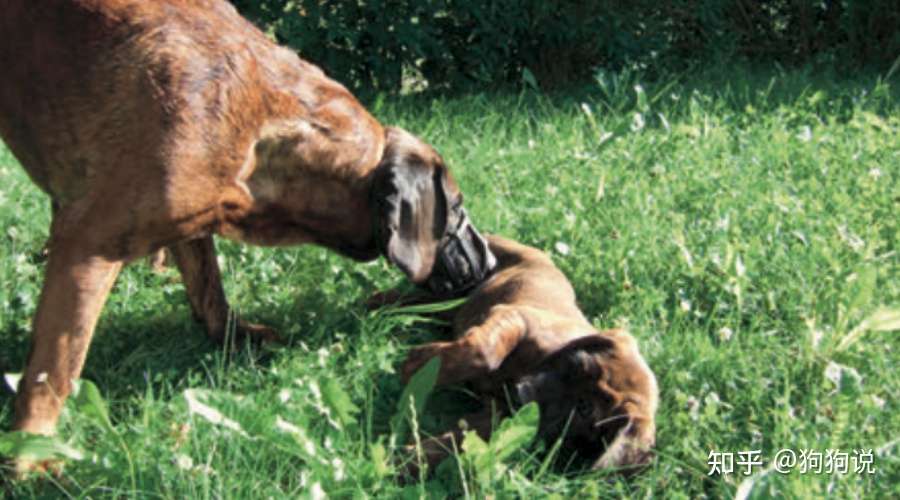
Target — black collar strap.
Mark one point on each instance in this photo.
(463, 259)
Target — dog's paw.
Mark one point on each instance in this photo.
(258, 334)
(27, 468)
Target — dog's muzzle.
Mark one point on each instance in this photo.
(463, 260)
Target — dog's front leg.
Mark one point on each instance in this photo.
(478, 352)
(76, 285)
(196, 260)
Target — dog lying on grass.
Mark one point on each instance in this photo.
(520, 337)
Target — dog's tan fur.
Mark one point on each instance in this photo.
(509, 327)
(161, 123)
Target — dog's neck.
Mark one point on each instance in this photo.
(306, 181)
(306, 172)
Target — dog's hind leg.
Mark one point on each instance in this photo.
(196, 260)
(479, 351)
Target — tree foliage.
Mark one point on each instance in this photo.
(384, 44)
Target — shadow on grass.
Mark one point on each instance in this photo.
(137, 350)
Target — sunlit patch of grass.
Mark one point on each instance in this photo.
(743, 224)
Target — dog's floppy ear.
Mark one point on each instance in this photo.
(411, 189)
(580, 352)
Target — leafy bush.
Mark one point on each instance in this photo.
(389, 44)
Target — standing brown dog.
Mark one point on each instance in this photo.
(159, 124)
(520, 336)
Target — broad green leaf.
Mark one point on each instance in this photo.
(416, 391)
(89, 402)
(882, 320)
(338, 400)
(473, 445)
(380, 463)
(516, 431)
(432, 307)
(478, 454)
(36, 447)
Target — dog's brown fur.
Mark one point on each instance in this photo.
(159, 124)
(524, 321)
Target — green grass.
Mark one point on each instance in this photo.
(742, 223)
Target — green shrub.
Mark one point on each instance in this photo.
(389, 44)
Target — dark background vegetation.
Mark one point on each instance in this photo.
(386, 45)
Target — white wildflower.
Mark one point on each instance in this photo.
(338, 467)
(562, 248)
(204, 469)
(586, 109)
(833, 373)
(815, 337)
(693, 406)
(725, 333)
(637, 122)
(739, 266)
(855, 242)
(184, 462)
(316, 492)
(723, 223)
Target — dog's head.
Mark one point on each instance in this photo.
(419, 221)
(598, 394)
